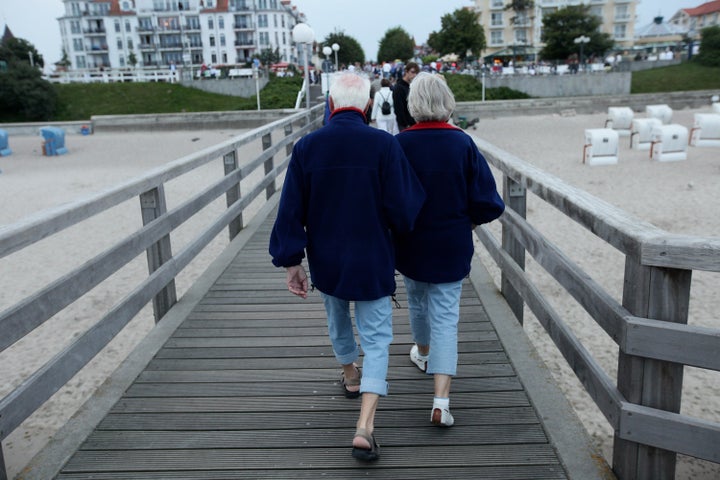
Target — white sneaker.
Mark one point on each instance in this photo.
(417, 359)
(441, 417)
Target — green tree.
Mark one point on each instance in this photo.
(18, 50)
(24, 95)
(709, 47)
(64, 61)
(350, 49)
(269, 56)
(561, 28)
(132, 59)
(396, 44)
(460, 31)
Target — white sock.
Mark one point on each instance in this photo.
(440, 402)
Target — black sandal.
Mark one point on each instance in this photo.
(364, 454)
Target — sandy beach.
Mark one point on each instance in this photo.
(680, 197)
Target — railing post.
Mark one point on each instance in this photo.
(3, 472)
(660, 294)
(152, 206)
(515, 197)
(288, 132)
(269, 164)
(230, 164)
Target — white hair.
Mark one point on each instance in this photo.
(349, 89)
(430, 98)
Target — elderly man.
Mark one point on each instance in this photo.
(348, 186)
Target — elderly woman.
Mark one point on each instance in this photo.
(435, 256)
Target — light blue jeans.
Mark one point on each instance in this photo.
(373, 320)
(434, 313)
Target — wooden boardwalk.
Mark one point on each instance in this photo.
(247, 387)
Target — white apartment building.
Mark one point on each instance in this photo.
(159, 33)
(618, 19)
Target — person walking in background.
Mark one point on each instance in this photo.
(347, 187)
(382, 111)
(400, 96)
(435, 257)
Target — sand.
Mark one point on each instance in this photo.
(679, 197)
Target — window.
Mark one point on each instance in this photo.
(221, 23)
(212, 40)
(621, 12)
(262, 4)
(75, 26)
(496, 38)
(262, 20)
(284, 38)
(213, 58)
(77, 44)
(275, 20)
(496, 19)
(264, 38)
(128, 28)
(130, 44)
(498, 4)
(119, 44)
(273, 4)
(224, 57)
(619, 32)
(117, 26)
(211, 23)
(282, 20)
(222, 40)
(80, 61)
(126, 6)
(521, 36)
(122, 61)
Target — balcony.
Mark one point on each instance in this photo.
(244, 26)
(147, 46)
(192, 28)
(171, 46)
(622, 18)
(244, 44)
(145, 28)
(94, 31)
(97, 49)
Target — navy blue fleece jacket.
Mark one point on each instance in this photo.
(460, 192)
(347, 187)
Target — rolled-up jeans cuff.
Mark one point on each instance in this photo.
(374, 385)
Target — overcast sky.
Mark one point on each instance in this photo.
(366, 21)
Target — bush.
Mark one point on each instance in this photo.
(25, 96)
(709, 47)
(467, 88)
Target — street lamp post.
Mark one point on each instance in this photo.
(327, 51)
(335, 48)
(582, 40)
(302, 33)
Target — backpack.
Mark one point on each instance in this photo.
(385, 107)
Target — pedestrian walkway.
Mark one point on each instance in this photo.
(247, 387)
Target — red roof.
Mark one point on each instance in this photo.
(704, 9)
(222, 6)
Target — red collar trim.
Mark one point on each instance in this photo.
(432, 125)
(347, 109)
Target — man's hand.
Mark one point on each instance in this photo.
(297, 281)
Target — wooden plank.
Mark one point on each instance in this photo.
(671, 432)
(303, 458)
(669, 341)
(461, 435)
(503, 472)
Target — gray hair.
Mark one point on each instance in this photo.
(350, 90)
(430, 98)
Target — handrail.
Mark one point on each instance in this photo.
(649, 326)
(153, 237)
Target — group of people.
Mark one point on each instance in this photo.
(361, 204)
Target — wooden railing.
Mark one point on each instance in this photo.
(649, 325)
(153, 238)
